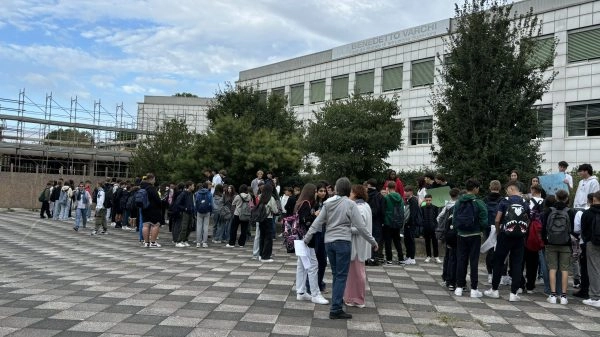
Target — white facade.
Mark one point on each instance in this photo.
(572, 124)
(156, 110)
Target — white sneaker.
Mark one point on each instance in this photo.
(319, 299)
(180, 244)
(155, 245)
(564, 300)
(476, 293)
(216, 241)
(505, 280)
(530, 291)
(520, 291)
(438, 260)
(591, 302)
(428, 259)
(268, 260)
(204, 245)
(186, 244)
(304, 297)
(229, 246)
(514, 298)
(198, 245)
(490, 277)
(491, 293)
(458, 291)
(551, 299)
(412, 261)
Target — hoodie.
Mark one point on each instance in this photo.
(586, 186)
(238, 200)
(587, 221)
(339, 214)
(391, 200)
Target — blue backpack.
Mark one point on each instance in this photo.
(203, 204)
(465, 216)
(141, 198)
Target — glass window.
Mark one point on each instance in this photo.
(365, 82)
(278, 91)
(544, 115)
(297, 94)
(422, 72)
(339, 87)
(543, 49)
(583, 45)
(421, 131)
(392, 78)
(583, 120)
(317, 91)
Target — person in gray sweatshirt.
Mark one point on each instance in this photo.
(338, 214)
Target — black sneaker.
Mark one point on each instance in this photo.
(389, 263)
(576, 283)
(581, 294)
(75, 229)
(451, 287)
(340, 315)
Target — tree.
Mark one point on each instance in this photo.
(486, 123)
(184, 94)
(353, 137)
(161, 153)
(70, 137)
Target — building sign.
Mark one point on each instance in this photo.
(392, 39)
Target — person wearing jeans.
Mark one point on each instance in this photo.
(83, 200)
(340, 214)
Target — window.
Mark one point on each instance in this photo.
(543, 49)
(339, 87)
(448, 59)
(421, 131)
(392, 78)
(365, 82)
(544, 115)
(297, 94)
(422, 72)
(278, 91)
(262, 96)
(583, 120)
(584, 45)
(317, 91)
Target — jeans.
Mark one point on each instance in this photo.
(467, 252)
(56, 211)
(409, 242)
(176, 229)
(220, 230)
(81, 217)
(531, 262)
(202, 222)
(377, 230)
(515, 246)
(392, 235)
(310, 273)
(339, 259)
(266, 239)
(236, 222)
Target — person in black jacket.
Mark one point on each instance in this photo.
(413, 219)
(589, 219)
(430, 213)
(151, 216)
(376, 202)
(185, 206)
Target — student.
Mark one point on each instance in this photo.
(584, 285)
(562, 167)
(557, 228)
(393, 222)
(413, 219)
(588, 184)
(531, 258)
(430, 213)
(446, 216)
(376, 203)
(470, 220)
(491, 202)
(185, 206)
(399, 186)
(589, 220)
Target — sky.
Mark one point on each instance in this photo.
(117, 51)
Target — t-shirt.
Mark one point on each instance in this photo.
(515, 199)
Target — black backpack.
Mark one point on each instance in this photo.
(397, 218)
(108, 196)
(515, 220)
(558, 226)
(258, 213)
(450, 233)
(492, 210)
(440, 229)
(466, 217)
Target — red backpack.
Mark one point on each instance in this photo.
(534, 241)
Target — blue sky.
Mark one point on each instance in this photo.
(120, 50)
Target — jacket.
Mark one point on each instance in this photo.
(238, 200)
(416, 217)
(587, 221)
(482, 215)
(376, 203)
(391, 200)
(361, 249)
(185, 202)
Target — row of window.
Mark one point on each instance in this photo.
(582, 120)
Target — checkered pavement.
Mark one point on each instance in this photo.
(57, 282)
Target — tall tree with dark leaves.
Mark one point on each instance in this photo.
(485, 116)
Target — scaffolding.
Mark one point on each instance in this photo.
(56, 139)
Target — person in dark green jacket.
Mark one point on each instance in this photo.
(470, 220)
(393, 223)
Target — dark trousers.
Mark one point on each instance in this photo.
(45, 209)
(185, 226)
(409, 242)
(392, 235)
(449, 269)
(585, 278)
(176, 229)
(467, 252)
(266, 238)
(321, 254)
(236, 222)
(514, 246)
(531, 262)
(431, 240)
(377, 232)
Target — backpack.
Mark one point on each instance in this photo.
(123, 199)
(450, 233)
(225, 211)
(596, 230)
(131, 202)
(492, 210)
(141, 198)
(465, 218)
(258, 213)
(397, 218)
(515, 220)
(534, 241)
(203, 204)
(292, 230)
(440, 229)
(558, 226)
(245, 210)
(42, 196)
(108, 196)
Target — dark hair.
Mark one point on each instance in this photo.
(472, 184)
(515, 172)
(455, 192)
(586, 167)
(549, 202)
(149, 176)
(391, 185)
(343, 186)
(372, 182)
(188, 183)
(428, 196)
(536, 189)
(596, 195)
(409, 188)
(243, 188)
(218, 190)
(266, 194)
(513, 183)
(420, 182)
(562, 196)
(563, 163)
(307, 194)
(360, 192)
(205, 184)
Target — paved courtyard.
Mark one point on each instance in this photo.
(57, 282)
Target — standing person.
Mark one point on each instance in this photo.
(397, 182)
(393, 222)
(204, 207)
(590, 226)
(303, 208)
(152, 214)
(470, 219)
(266, 237)
(535, 181)
(218, 180)
(514, 178)
(377, 205)
(356, 286)
(444, 220)
(588, 184)
(45, 200)
(100, 215)
(413, 220)
(219, 216)
(54, 196)
(83, 200)
(241, 217)
(422, 191)
(584, 284)
(513, 214)
(562, 167)
(430, 213)
(88, 188)
(491, 202)
(185, 205)
(557, 228)
(64, 201)
(339, 213)
(170, 199)
(531, 256)
(256, 181)
(320, 251)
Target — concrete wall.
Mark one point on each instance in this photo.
(21, 190)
